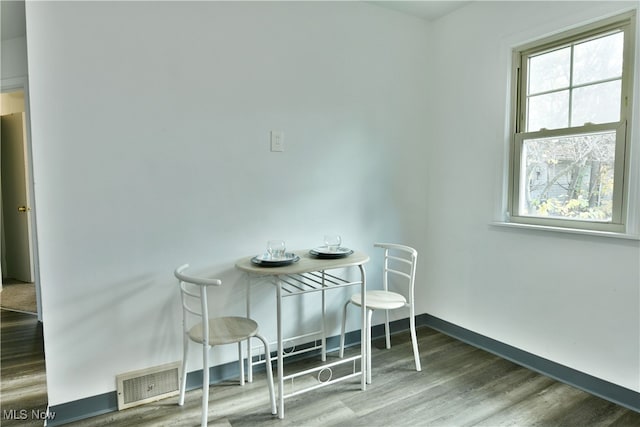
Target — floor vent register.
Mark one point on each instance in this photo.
(148, 385)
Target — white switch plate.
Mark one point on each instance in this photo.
(277, 140)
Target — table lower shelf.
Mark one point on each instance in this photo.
(296, 284)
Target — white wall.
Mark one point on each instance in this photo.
(573, 299)
(150, 128)
(11, 102)
(14, 60)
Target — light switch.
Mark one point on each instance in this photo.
(277, 140)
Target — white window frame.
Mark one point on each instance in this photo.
(619, 221)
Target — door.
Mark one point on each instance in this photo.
(15, 207)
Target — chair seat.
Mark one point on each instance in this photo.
(225, 330)
(381, 300)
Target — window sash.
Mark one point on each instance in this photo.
(622, 24)
(616, 223)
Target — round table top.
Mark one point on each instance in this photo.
(306, 264)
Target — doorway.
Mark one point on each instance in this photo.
(19, 288)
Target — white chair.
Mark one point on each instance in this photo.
(215, 331)
(400, 269)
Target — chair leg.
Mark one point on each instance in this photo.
(268, 368)
(414, 340)
(386, 329)
(344, 325)
(368, 343)
(205, 385)
(183, 380)
(241, 362)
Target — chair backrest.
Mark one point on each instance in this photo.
(399, 263)
(193, 292)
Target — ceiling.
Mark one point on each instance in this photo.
(426, 9)
(13, 17)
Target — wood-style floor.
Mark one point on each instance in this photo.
(23, 385)
(459, 385)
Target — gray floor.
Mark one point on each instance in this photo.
(23, 386)
(18, 296)
(459, 386)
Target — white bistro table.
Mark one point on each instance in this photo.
(308, 275)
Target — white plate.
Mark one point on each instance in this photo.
(324, 250)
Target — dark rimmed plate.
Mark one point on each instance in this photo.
(323, 252)
(264, 261)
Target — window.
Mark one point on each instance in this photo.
(570, 147)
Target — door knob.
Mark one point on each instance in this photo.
(22, 208)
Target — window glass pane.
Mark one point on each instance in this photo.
(569, 177)
(598, 59)
(549, 111)
(599, 103)
(549, 71)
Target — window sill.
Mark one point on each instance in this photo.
(567, 230)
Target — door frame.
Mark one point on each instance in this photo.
(11, 85)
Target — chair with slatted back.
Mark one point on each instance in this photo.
(400, 269)
(212, 331)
